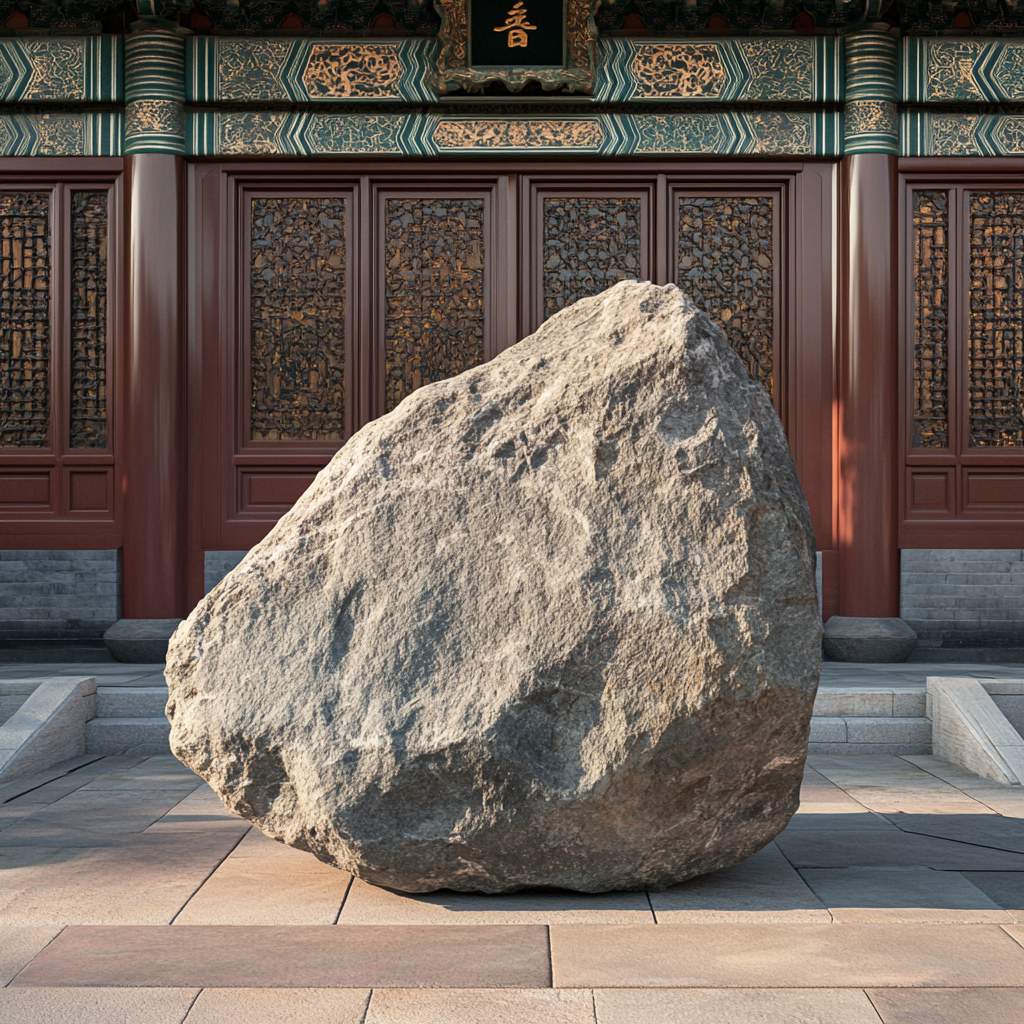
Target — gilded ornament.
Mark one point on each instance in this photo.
(952, 135)
(777, 132)
(781, 70)
(58, 69)
(1010, 135)
(153, 117)
(871, 117)
(677, 71)
(681, 133)
(59, 135)
(250, 69)
(1008, 71)
(522, 133)
(256, 133)
(354, 133)
(951, 71)
(353, 70)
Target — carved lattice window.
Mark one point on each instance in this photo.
(590, 244)
(931, 319)
(433, 291)
(298, 324)
(996, 327)
(25, 272)
(88, 320)
(725, 264)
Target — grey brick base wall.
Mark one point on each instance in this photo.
(964, 595)
(217, 564)
(59, 594)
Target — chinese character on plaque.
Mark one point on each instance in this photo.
(551, 42)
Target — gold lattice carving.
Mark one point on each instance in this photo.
(726, 264)
(1010, 135)
(250, 69)
(518, 134)
(680, 133)
(1008, 71)
(58, 69)
(298, 319)
(931, 320)
(25, 318)
(258, 133)
(353, 70)
(996, 323)
(951, 71)
(677, 70)
(433, 291)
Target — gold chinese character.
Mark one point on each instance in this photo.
(517, 26)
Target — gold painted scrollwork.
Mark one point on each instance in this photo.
(337, 71)
(518, 134)
(677, 71)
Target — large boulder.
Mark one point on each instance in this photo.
(552, 622)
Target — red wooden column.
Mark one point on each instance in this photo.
(869, 570)
(153, 553)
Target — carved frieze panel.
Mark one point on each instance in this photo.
(961, 134)
(56, 69)
(962, 70)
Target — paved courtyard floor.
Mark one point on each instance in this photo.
(127, 893)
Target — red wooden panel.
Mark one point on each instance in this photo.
(89, 491)
(993, 490)
(829, 584)
(25, 490)
(272, 491)
(929, 491)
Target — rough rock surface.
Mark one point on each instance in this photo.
(552, 622)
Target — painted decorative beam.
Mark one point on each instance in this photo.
(62, 70)
(935, 133)
(304, 133)
(800, 69)
(35, 132)
(962, 70)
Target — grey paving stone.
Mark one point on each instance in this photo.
(763, 888)
(733, 1006)
(903, 895)
(990, 830)
(869, 848)
(1005, 888)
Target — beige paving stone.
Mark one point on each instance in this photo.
(949, 1005)
(95, 1005)
(763, 888)
(837, 816)
(368, 904)
(733, 1006)
(145, 882)
(279, 1006)
(784, 956)
(19, 944)
(482, 1006)
(401, 956)
(256, 844)
(1016, 932)
(200, 811)
(1005, 800)
(994, 830)
(268, 891)
(25, 867)
(903, 895)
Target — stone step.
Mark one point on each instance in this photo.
(119, 735)
(870, 735)
(130, 701)
(857, 702)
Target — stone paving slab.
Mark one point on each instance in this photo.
(280, 1006)
(487, 1006)
(949, 1005)
(784, 956)
(95, 1005)
(733, 1006)
(368, 956)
